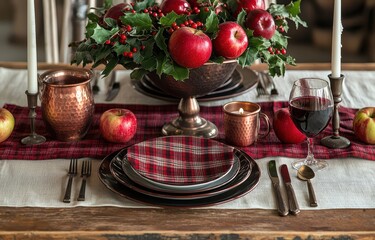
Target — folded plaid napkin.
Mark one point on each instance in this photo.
(150, 122)
(181, 160)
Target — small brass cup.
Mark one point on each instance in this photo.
(67, 102)
(242, 129)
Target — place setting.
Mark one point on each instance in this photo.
(196, 172)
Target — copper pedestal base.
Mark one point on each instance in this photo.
(189, 122)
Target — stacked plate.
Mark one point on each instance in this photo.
(180, 171)
(241, 81)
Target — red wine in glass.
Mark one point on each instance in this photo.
(311, 114)
(310, 107)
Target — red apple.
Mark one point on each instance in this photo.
(116, 11)
(285, 129)
(6, 124)
(261, 22)
(364, 125)
(193, 3)
(249, 5)
(178, 6)
(231, 40)
(190, 47)
(118, 125)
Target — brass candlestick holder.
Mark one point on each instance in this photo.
(33, 138)
(336, 141)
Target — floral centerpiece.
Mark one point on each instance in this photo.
(150, 38)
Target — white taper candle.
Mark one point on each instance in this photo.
(336, 40)
(32, 86)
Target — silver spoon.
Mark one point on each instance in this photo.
(305, 173)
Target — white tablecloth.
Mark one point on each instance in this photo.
(346, 183)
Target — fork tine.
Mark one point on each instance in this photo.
(82, 168)
(75, 165)
(89, 168)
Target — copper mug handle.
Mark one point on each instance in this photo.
(267, 120)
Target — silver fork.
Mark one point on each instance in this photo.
(85, 173)
(260, 90)
(71, 173)
(271, 81)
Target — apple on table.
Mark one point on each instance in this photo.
(364, 124)
(118, 125)
(285, 129)
(7, 123)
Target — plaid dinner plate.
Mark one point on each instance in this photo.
(181, 160)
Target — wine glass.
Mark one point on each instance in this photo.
(310, 107)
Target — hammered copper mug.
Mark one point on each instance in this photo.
(242, 123)
(67, 102)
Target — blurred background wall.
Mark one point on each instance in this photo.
(307, 45)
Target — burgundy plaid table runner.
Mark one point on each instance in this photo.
(150, 122)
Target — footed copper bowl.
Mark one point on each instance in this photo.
(201, 81)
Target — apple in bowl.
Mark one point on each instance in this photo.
(118, 125)
(364, 124)
(6, 124)
(261, 22)
(177, 6)
(190, 47)
(231, 40)
(249, 5)
(285, 129)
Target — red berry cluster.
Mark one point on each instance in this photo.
(154, 11)
(280, 26)
(120, 37)
(187, 23)
(277, 51)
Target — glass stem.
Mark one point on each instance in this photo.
(310, 155)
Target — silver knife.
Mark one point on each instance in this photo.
(293, 204)
(114, 87)
(272, 171)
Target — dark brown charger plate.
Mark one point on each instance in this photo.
(242, 81)
(114, 185)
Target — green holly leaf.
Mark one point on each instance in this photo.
(149, 64)
(101, 34)
(119, 49)
(90, 29)
(161, 41)
(241, 18)
(212, 23)
(248, 57)
(170, 18)
(177, 72)
(140, 5)
(139, 21)
(109, 67)
(280, 40)
(138, 73)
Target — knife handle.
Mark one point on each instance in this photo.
(293, 204)
(313, 202)
(282, 207)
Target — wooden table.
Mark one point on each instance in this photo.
(124, 223)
